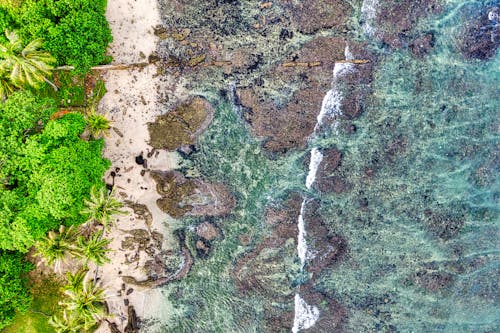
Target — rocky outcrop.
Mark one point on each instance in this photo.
(327, 249)
(181, 126)
(181, 196)
(332, 316)
(287, 121)
(314, 15)
(264, 270)
(481, 35)
(394, 20)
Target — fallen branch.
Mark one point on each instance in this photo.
(354, 61)
(302, 64)
(106, 67)
(318, 63)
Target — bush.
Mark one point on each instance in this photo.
(14, 294)
(48, 170)
(75, 31)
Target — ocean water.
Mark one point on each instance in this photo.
(421, 215)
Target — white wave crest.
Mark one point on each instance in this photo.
(368, 14)
(316, 158)
(305, 315)
(301, 237)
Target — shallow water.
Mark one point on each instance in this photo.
(420, 218)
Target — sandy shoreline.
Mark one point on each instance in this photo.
(132, 100)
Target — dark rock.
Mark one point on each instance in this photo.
(203, 248)
(328, 248)
(186, 150)
(113, 327)
(332, 316)
(139, 159)
(132, 321)
(264, 270)
(126, 302)
(130, 291)
(481, 34)
(286, 124)
(327, 180)
(181, 126)
(422, 45)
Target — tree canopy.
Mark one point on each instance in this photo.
(46, 169)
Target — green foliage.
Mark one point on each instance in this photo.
(98, 124)
(25, 66)
(46, 169)
(94, 249)
(84, 306)
(75, 31)
(56, 246)
(14, 296)
(47, 292)
(101, 207)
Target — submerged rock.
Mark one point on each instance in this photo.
(181, 196)
(315, 15)
(394, 20)
(181, 126)
(481, 34)
(286, 120)
(332, 315)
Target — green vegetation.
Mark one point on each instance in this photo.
(98, 124)
(75, 32)
(47, 165)
(46, 292)
(101, 207)
(84, 305)
(13, 294)
(24, 66)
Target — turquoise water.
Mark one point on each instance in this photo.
(421, 226)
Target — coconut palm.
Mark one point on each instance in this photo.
(76, 280)
(6, 86)
(101, 207)
(86, 304)
(66, 323)
(97, 124)
(27, 66)
(94, 248)
(57, 245)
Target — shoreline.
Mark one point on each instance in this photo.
(132, 100)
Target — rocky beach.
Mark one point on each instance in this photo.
(315, 166)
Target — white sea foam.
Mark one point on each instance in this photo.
(330, 107)
(494, 15)
(305, 315)
(301, 237)
(316, 158)
(332, 102)
(368, 14)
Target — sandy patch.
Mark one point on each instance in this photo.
(133, 100)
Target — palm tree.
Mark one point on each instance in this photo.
(75, 281)
(66, 324)
(55, 247)
(101, 207)
(6, 86)
(94, 248)
(28, 66)
(98, 124)
(86, 304)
